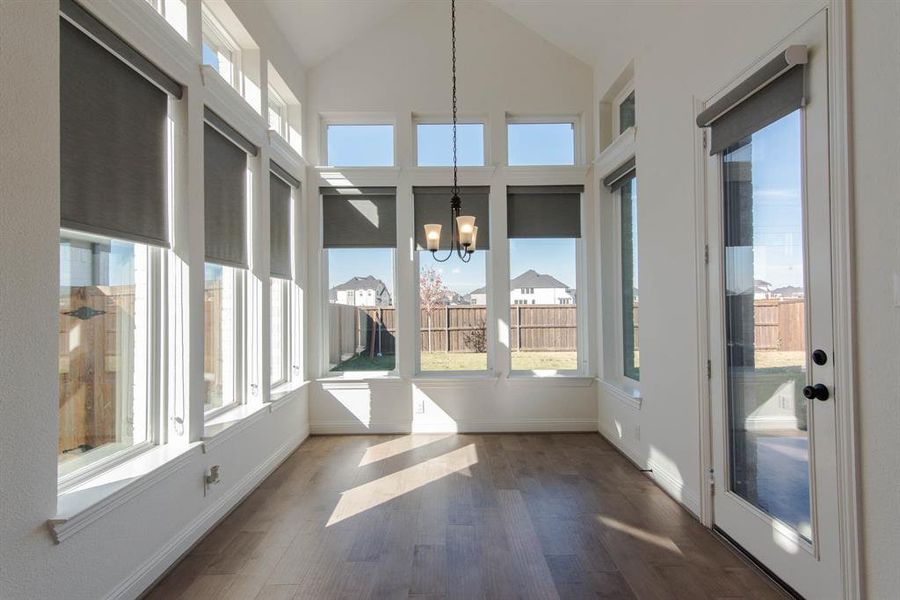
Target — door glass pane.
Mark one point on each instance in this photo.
(765, 322)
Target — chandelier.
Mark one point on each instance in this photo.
(463, 231)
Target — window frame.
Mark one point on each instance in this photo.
(156, 359)
(578, 152)
(325, 371)
(447, 120)
(581, 330)
(216, 36)
(240, 363)
(282, 109)
(490, 338)
(619, 308)
(326, 121)
(287, 342)
(620, 97)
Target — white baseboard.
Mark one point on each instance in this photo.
(671, 483)
(388, 427)
(137, 583)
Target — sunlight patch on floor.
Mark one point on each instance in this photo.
(640, 534)
(384, 489)
(399, 446)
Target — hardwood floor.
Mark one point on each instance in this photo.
(460, 516)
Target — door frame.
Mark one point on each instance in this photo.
(842, 273)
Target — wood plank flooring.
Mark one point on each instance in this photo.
(460, 516)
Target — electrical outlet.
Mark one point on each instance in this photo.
(211, 477)
(420, 406)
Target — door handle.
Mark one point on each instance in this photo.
(818, 391)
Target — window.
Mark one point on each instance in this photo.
(280, 342)
(221, 338)
(626, 112)
(173, 11)
(541, 143)
(360, 145)
(220, 51)
(361, 313)
(543, 325)
(433, 144)
(359, 235)
(544, 230)
(277, 114)
(629, 281)
(105, 347)
(452, 313)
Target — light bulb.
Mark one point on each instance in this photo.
(433, 236)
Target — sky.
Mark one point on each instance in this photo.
(776, 155)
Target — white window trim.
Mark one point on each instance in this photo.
(215, 32)
(447, 120)
(324, 370)
(326, 120)
(578, 154)
(241, 393)
(626, 91)
(157, 399)
(618, 309)
(281, 107)
(286, 337)
(581, 344)
(488, 371)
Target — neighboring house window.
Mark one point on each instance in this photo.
(629, 281)
(544, 228)
(220, 51)
(365, 145)
(535, 143)
(434, 142)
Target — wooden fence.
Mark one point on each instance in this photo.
(779, 324)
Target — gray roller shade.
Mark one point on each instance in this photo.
(112, 144)
(230, 132)
(279, 227)
(617, 178)
(100, 32)
(278, 170)
(359, 217)
(544, 211)
(775, 90)
(432, 205)
(225, 193)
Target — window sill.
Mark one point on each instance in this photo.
(225, 425)
(623, 392)
(284, 394)
(228, 103)
(358, 377)
(616, 154)
(555, 380)
(86, 502)
(454, 379)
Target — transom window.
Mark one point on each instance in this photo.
(367, 145)
(277, 113)
(220, 51)
(541, 143)
(434, 144)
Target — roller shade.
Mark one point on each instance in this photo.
(775, 90)
(229, 132)
(112, 144)
(359, 217)
(290, 179)
(618, 177)
(543, 211)
(122, 49)
(432, 205)
(225, 193)
(279, 227)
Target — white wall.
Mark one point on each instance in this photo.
(399, 68)
(127, 547)
(875, 122)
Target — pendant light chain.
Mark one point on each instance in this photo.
(453, 70)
